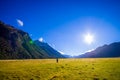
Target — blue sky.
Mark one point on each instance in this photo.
(63, 23)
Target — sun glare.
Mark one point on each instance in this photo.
(89, 38)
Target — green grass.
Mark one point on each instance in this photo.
(66, 69)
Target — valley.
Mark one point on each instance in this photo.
(65, 69)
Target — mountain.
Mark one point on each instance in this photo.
(50, 51)
(111, 50)
(16, 44)
(68, 56)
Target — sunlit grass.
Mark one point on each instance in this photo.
(66, 69)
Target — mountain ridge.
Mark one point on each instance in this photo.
(17, 44)
(51, 51)
(111, 50)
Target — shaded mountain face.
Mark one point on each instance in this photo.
(50, 51)
(16, 44)
(112, 50)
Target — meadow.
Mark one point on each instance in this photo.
(65, 69)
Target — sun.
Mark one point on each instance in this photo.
(88, 38)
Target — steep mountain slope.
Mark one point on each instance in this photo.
(50, 51)
(112, 50)
(16, 44)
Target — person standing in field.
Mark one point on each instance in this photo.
(57, 60)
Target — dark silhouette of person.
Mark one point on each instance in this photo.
(57, 60)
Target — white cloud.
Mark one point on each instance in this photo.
(40, 39)
(20, 23)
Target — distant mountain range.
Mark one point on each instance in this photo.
(16, 44)
(112, 50)
(47, 48)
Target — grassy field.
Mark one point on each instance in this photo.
(66, 69)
